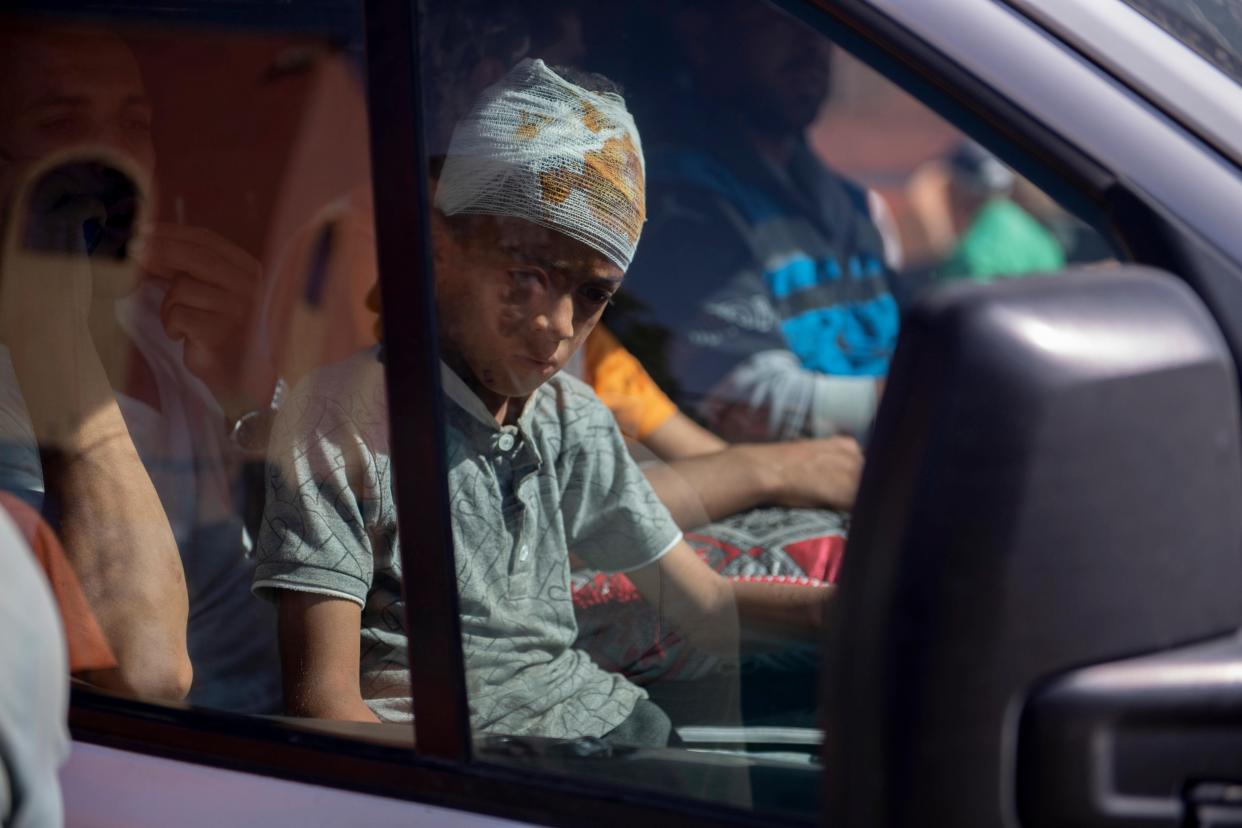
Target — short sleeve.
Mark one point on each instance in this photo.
(314, 535)
(613, 519)
(625, 387)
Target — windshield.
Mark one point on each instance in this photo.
(1213, 28)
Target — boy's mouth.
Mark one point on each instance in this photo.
(542, 366)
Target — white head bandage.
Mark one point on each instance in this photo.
(539, 148)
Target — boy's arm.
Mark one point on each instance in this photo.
(681, 438)
(710, 609)
(805, 473)
(319, 657)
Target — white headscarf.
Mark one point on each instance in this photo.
(540, 148)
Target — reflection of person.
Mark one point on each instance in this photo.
(761, 264)
(539, 207)
(141, 468)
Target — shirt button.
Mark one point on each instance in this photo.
(524, 553)
(505, 442)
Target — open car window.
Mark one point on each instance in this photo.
(651, 477)
(670, 252)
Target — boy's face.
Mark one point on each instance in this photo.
(515, 300)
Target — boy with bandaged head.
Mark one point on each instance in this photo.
(539, 207)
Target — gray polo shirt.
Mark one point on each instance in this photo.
(521, 496)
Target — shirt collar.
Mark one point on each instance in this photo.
(455, 389)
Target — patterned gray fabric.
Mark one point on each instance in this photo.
(521, 497)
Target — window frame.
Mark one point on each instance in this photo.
(443, 771)
(412, 375)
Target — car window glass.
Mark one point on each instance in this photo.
(187, 238)
(651, 479)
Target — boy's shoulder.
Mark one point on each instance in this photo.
(351, 389)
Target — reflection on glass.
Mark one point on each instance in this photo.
(161, 289)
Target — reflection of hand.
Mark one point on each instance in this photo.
(811, 473)
(213, 289)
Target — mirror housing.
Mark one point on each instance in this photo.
(1054, 480)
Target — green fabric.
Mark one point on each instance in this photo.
(521, 497)
(1004, 240)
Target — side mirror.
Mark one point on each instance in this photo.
(1054, 481)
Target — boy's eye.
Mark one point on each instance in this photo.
(596, 297)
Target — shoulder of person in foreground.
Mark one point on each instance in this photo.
(34, 690)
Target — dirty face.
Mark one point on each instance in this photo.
(515, 300)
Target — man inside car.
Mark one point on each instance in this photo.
(763, 266)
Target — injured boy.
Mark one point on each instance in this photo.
(538, 209)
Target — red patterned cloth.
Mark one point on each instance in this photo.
(622, 633)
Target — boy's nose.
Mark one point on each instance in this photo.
(557, 319)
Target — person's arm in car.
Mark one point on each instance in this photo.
(111, 520)
(712, 485)
(112, 523)
(319, 657)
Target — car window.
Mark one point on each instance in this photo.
(188, 239)
(1213, 28)
(671, 252)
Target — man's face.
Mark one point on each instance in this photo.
(62, 90)
(516, 300)
(767, 63)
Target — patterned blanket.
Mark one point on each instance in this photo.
(624, 634)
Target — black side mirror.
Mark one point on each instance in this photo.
(1054, 481)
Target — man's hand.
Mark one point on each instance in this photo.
(213, 294)
(809, 473)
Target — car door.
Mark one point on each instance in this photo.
(309, 151)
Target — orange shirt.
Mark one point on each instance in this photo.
(88, 648)
(620, 380)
